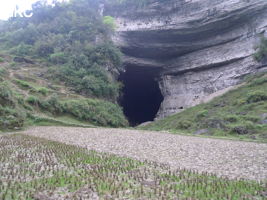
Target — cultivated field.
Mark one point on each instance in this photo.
(35, 168)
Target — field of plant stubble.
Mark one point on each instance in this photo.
(34, 168)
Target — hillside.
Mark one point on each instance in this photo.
(134, 99)
(27, 98)
(89, 62)
(59, 67)
(241, 112)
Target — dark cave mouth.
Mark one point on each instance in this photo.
(141, 97)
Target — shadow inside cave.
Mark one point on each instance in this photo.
(141, 97)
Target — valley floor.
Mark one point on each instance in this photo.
(232, 159)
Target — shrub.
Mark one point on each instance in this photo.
(214, 123)
(92, 85)
(33, 100)
(10, 114)
(58, 58)
(22, 83)
(185, 124)
(93, 81)
(105, 54)
(28, 107)
(202, 114)
(110, 22)
(98, 112)
(79, 61)
(6, 95)
(13, 65)
(259, 81)
(22, 50)
(254, 119)
(44, 50)
(52, 105)
(10, 118)
(2, 60)
(239, 102)
(231, 118)
(261, 49)
(3, 71)
(43, 91)
(256, 96)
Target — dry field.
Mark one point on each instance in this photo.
(37, 168)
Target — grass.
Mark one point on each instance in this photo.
(42, 90)
(40, 169)
(57, 121)
(96, 111)
(236, 114)
(3, 71)
(23, 84)
(33, 88)
(11, 115)
(73, 120)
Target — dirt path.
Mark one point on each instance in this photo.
(233, 159)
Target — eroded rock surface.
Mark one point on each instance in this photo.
(201, 46)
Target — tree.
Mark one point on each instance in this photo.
(110, 22)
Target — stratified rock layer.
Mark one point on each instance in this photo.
(201, 46)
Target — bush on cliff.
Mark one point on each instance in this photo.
(261, 49)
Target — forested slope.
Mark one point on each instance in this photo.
(61, 61)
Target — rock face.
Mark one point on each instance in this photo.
(200, 46)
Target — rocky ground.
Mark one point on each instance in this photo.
(233, 159)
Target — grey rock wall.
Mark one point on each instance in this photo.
(201, 46)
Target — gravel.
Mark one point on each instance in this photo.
(232, 159)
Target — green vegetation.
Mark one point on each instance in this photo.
(62, 171)
(86, 74)
(29, 103)
(109, 21)
(58, 58)
(3, 72)
(93, 111)
(21, 50)
(11, 115)
(63, 120)
(96, 111)
(44, 91)
(74, 40)
(68, 45)
(240, 113)
(23, 84)
(32, 100)
(261, 49)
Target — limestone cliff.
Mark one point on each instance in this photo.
(200, 46)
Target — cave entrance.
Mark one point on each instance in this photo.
(141, 94)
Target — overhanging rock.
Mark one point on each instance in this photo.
(200, 46)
